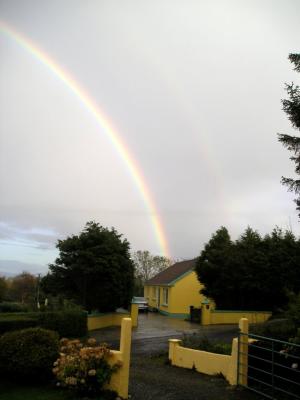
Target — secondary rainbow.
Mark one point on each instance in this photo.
(103, 122)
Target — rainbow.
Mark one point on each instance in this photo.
(104, 123)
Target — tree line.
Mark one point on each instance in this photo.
(96, 270)
(21, 288)
(252, 272)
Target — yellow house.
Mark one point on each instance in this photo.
(174, 290)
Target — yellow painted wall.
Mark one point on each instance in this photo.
(183, 294)
(204, 362)
(210, 363)
(148, 295)
(99, 321)
(150, 292)
(227, 317)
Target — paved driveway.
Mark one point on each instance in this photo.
(152, 379)
(153, 331)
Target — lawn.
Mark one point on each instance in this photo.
(11, 391)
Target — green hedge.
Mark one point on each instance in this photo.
(28, 353)
(65, 323)
(13, 322)
(10, 307)
(281, 329)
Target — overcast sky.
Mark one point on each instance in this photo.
(194, 90)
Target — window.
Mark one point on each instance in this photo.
(166, 296)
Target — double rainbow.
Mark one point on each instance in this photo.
(104, 123)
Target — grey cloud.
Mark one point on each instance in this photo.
(194, 90)
(15, 267)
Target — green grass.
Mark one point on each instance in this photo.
(11, 391)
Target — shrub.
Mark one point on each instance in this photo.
(9, 307)
(281, 329)
(28, 353)
(83, 368)
(201, 342)
(13, 322)
(66, 323)
(293, 312)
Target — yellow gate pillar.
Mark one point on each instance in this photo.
(243, 351)
(125, 347)
(134, 314)
(205, 312)
(173, 343)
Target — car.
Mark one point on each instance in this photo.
(142, 303)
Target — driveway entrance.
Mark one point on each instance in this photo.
(152, 379)
(154, 330)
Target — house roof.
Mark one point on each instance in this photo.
(172, 273)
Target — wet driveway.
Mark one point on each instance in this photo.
(152, 379)
(153, 331)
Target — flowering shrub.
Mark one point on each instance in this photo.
(84, 368)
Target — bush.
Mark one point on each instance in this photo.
(13, 322)
(201, 342)
(84, 369)
(66, 323)
(28, 353)
(9, 307)
(281, 329)
(293, 312)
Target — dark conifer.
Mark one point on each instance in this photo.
(291, 107)
(93, 268)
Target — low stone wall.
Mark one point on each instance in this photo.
(211, 316)
(101, 320)
(209, 363)
(98, 321)
(233, 317)
(205, 362)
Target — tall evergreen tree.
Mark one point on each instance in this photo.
(251, 273)
(291, 107)
(93, 268)
(214, 269)
(250, 270)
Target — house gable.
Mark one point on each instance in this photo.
(172, 274)
(183, 290)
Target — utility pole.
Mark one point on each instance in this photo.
(38, 292)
